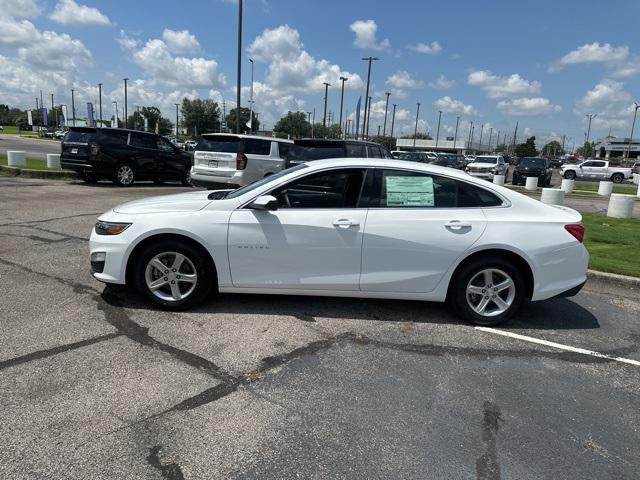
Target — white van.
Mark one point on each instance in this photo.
(236, 160)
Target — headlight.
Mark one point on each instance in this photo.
(110, 228)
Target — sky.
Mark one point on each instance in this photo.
(493, 63)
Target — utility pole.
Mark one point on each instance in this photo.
(590, 116)
(455, 136)
(470, 130)
(313, 123)
(490, 137)
(438, 131)
(251, 99)
(515, 135)
(393, 119)
(473, 131)
(239, 73)
(100, 102)
(633, 126)
(366, 95)
(379, 130)
(386, 107)
(73, 108)
(415, 129)
(343, 79)
(481, 132)
(324, 116)
(177, 105)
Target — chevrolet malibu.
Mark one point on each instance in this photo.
(369, 228)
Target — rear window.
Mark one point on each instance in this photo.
(114, 137)
(253, 146)
(473, 196)
(80, 136)
(304, 153)
(355, 150)
(219, 144)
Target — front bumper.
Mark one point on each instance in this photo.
(115, 249)
(486, 175)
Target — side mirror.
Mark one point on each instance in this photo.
(265, 202)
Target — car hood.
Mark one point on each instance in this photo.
(181, 202)
(485, 166)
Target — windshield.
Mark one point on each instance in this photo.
(262, 181)
(532, 163)
(485, 160)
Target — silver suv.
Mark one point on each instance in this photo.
(236, 160)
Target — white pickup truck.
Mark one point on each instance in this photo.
(596, 170)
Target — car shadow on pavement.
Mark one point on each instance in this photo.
(556, 314)
(142, 184)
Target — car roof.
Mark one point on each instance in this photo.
(242, 135)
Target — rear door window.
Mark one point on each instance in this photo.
(373, 151)
(114, 138)
(141, 140)
(253, 146)
(163, 145)
(219, 144)
(355, 150)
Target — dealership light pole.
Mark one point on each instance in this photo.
(490, 138)
(393, 119)
(386, 107)
(455, 136)
(239, 73)
(53, 111)
(481, 132)
(438, 131)
(342, 79)
(324, 116)
(177, 105)
(251, 99)
(125, 101)
(368, 116)
(100, 102)
(73, 107)
(415, 129)
(366, 95)
(590, 116)
(633, 126)
(470, 130)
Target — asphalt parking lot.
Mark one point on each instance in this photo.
(96, 384)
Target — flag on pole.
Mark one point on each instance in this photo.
(90, 119)
(146, 123)
(45, 116)
(64, 115)
(29, 117)
(157, 127)
(357, 118)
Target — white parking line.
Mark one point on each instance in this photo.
(559, 346)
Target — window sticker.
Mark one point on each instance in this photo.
(404, 191)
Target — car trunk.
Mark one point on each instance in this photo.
(217, 155)
(76, 145)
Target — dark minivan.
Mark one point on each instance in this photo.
(308, 149)
(122, 156)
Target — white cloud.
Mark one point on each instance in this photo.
(403, 79)
(16, 33)
(528, 106)
(612, 103)
(442, 83)
(69, 12)
(19, 8)
(450, 105)
(432, 48)
(282, 42)
(594, 53)
(180, 41)
(628, 69)
(503, 87)
(365, 31)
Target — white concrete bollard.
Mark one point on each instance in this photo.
(53, 160)
(638, 194)
(16, 158)
(567, 185)
(605, 188)
(552, 196)
(620, 206)
(531, 183)
(498, 180)
(635, 178)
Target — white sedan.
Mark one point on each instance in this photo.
(373, 228)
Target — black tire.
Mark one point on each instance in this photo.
(570, 175)
(205, 274)
(617, 178)
(186, 179)
(124, 180)
(457, 297)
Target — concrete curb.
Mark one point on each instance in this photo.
(29, 173)
(614, 279)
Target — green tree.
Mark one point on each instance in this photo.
(330, 131)
(527, 149)
(154, 117)
(552, 148)
(244, 119)
(294, 124)
(421, 136)
(200, 116)
(387, 142)
(501, 148)
(586, 150)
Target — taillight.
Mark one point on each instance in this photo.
(241, 161)
(95, 148)
(575, 229)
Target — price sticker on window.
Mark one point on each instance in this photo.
(405, 191)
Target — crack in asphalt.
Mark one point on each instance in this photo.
(487, 466)
(37, 238)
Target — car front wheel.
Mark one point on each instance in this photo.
(124, 175)
(173, 275)
(570, 175)
(487, 291)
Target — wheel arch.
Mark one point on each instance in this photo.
(521, 263)
(129, 274)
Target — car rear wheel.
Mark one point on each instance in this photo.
(173, 275)
(186, 179)
(570, 175)
(124, 175)
(617, 178)
(487, 291)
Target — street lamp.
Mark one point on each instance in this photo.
(251, 99)
(415, 129)
(239, 74)
(73, 107)
(177, 105)
(470, 130)
(481, 132)
(115, 103)
(393, 119)
(366, 95)
(590, 116)
(125, 102)
(100, 102)
(633, 125)
(438, 132)
(386, 107)
(368, 112)
(490, 137)
(343, 79)
(324, 117)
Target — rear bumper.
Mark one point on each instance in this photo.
(84, 166)
(200, 179)
(560, 272)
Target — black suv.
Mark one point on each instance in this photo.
(533, 167)
(307, 149)
(450, 160)
(122, 156)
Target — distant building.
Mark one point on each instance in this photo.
(616, 147)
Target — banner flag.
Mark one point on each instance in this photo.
(357, 118)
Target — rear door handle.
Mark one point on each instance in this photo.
(345, 223)
(457, 225)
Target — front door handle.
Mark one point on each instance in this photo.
(345, 223)
(457, 225)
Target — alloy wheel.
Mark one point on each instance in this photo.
(171, 276)
(125, 175)
(490, 292)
